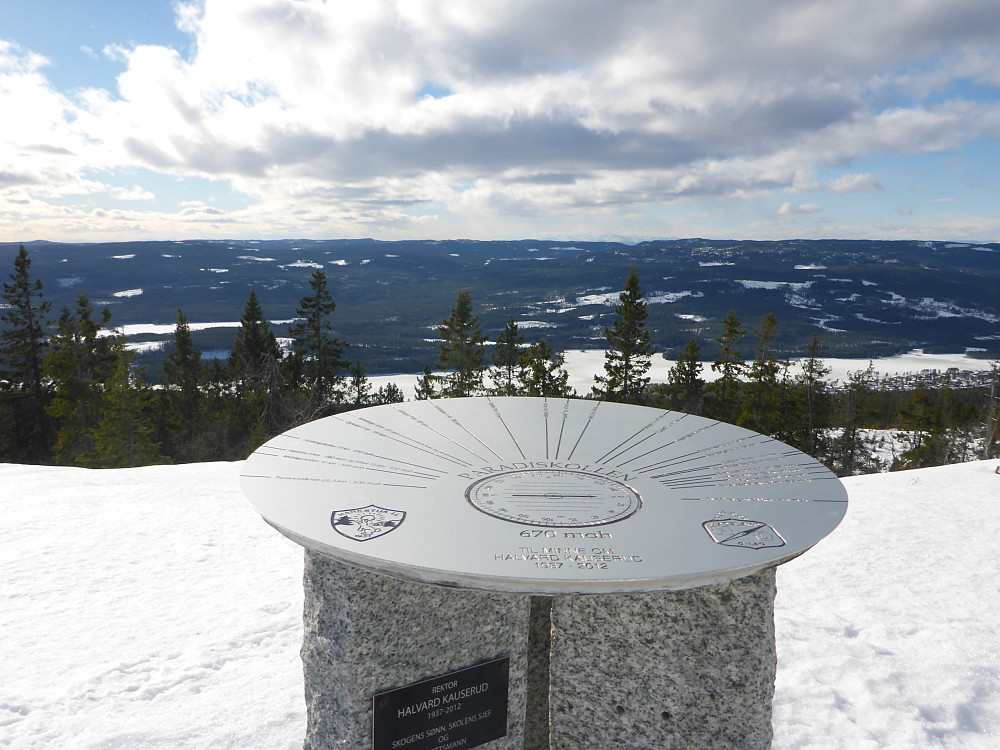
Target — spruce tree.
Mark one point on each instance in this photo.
(124, 435)
(23, 345)
(255, 343)
(990, 430)
(507, 374)
(181, 398)
(811, 410)
(80, 361)
(359, 389)
(461, 354)
(545, 372)
(685, 387)
(762, 402)
(723, 393)
(259, 410)
(924, 431)
(853, 452)
(427, 385)
(390, 393)
(317, 356)
(629, 353)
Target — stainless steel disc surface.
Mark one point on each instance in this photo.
(543, 496)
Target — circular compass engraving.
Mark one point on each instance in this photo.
(553, 497)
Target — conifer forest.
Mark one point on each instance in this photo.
(71, 393)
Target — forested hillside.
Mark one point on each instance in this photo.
(865, 298)
(71, 392)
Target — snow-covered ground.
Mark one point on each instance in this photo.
(152, 608)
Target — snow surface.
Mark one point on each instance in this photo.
(153, 608)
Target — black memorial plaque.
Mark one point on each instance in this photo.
(462, 709)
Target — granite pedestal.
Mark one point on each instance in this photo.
(672, 669)
(616, 563)
(365, 632)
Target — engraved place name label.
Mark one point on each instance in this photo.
(462, 709)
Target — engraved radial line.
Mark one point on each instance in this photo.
(399, 472)
(562, 427)
(768, 459)
(365, 453)
(408, 442)
(545, 410)
(728, 447)
(589, 420)
(664, 445)
(636, 434)
(499, 416)
(291, 454)
(681, 439)
(692, 456)
(355, 464)
(466, 431)
(441, 434)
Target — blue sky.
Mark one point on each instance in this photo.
(534, 118)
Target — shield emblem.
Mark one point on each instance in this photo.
(742, 532)
(362, 524)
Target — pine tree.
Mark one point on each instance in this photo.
(507, 374)
(461, 353)
(23, 345)
(762, 406)
(685, 387)
(181, 400)
(628, 357)
(80, 361)
(545, 372)
(723, 393)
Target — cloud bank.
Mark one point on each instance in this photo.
(548, 117)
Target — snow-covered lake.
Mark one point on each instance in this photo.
(582, 365)
(152, 608)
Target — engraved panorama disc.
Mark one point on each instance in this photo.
(533, 495)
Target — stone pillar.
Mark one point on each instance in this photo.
(676, 669)
(365, 633)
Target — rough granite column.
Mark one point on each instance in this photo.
(365, 633)
(677, 669)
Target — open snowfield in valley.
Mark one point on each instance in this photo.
(152, 608)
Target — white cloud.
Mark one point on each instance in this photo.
(583, 110)
(856, 183)
(135, 193)
(805, 208)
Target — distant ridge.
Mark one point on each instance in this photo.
(864, 297)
